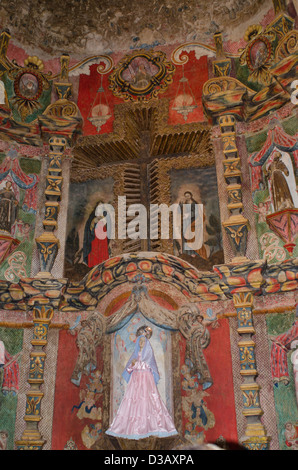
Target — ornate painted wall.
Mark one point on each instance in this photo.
(183, 109)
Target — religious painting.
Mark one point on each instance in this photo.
(19, 179)
(188, 186)
(86, 245)
(258, 53)
(28, 89)
(28, 86)
(273, 168)
(141, 76)
(11, 342)
(281, 181)
(274, 200)
(283, 342)
(141, 385)
(140, 72)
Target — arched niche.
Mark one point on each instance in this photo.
(171, 312)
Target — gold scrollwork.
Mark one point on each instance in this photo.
(51, 212)
(47, 250)
(62, 108)
(222, 85)
(232, 167)
(247, 355)
(288, 45)
(236, 233)
(54, 184)
(235, 194)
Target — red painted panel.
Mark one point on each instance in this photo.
(218, 410)
(66, 423)
(195, 71)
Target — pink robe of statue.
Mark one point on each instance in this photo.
(142, 412)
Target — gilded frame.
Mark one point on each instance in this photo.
(157, 76)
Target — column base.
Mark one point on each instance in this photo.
(29, 445)
(256, 443)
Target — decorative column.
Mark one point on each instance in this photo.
(31, 438)
(47, 242)
(60, 125)
(237, 225)
(255, 434)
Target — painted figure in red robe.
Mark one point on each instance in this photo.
(96, 241)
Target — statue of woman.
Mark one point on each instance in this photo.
(282, 198)
(193, 328)
(142, 413)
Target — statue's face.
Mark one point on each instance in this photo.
(148, 333)
(142, 342)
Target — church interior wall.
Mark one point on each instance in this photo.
(183, 116)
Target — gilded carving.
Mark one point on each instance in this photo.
(54, 185)
(124, 142)
(287, 46)
(252, 410)
(31, 437)
(223, 85)
(29, 83)
(234, 194)
(232, 168)
(142, 76)
(236, 232)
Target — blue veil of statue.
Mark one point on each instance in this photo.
(147, 356)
